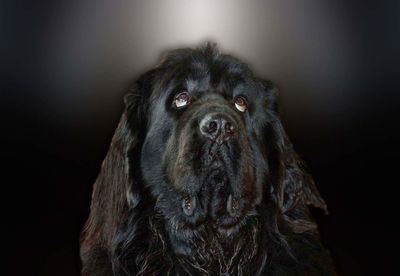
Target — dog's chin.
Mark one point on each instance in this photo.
(215, 204)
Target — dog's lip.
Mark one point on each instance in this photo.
(216, 169)
(214, 166)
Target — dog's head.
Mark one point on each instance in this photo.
(201, 143)
(208, 144)
(203, 155)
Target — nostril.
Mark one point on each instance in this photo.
(212, 127)
(217, 127)
(229, 128)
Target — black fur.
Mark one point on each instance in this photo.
(170, 201)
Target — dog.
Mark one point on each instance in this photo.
(201, 179)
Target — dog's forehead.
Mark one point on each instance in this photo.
(192, 83)
(200, 74)
(208, 78)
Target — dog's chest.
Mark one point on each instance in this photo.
(215, 254)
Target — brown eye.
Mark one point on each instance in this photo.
(241, 103)
(182, 99)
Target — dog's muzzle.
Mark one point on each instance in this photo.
(218, 134)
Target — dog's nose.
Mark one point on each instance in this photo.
(217, 127)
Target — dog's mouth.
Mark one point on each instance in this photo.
(220, 200)
(225, 206)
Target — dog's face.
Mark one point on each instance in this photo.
(204, 155)
(199, 157)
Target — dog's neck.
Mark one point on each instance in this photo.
(205, 248)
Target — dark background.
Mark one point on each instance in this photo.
(65, 66)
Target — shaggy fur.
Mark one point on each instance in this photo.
(178, 195)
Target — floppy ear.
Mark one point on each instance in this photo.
(293, 186)
(117, 188)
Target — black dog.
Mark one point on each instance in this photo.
(201, 179)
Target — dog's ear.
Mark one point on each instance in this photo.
(293, 187)
(117, 188)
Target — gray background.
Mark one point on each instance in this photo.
(67, 64)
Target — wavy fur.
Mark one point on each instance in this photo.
(136, 226)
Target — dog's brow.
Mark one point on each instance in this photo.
(197, 84)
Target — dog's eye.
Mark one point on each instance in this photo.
(182, 99)
(241, 103)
